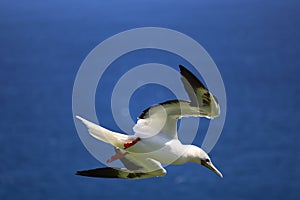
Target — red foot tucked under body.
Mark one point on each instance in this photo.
(130, 144)
(117, 156)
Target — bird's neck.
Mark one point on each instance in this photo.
(189, 155)
(192, 154)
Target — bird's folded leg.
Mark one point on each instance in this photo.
(131, 143)
(117, 156)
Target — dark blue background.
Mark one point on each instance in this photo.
(254, 43)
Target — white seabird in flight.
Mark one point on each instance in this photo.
(155, 140)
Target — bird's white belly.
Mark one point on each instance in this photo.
(164, 150)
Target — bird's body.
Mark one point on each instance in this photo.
(155, 140)
(164, 150)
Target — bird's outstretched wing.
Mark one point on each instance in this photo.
(163, 117)
(199, 95)
(136, 167)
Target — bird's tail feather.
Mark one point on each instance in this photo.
(105, 135)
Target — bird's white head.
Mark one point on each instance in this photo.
(197, 155)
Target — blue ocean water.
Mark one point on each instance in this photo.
(255, 45)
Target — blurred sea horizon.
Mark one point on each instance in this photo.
(255, 45)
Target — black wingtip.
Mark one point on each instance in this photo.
(182, 68)
(81, 173)
(188, 75)
(106, 172)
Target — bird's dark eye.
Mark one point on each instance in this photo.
(207, 160)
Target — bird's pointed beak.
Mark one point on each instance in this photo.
(212, 167)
